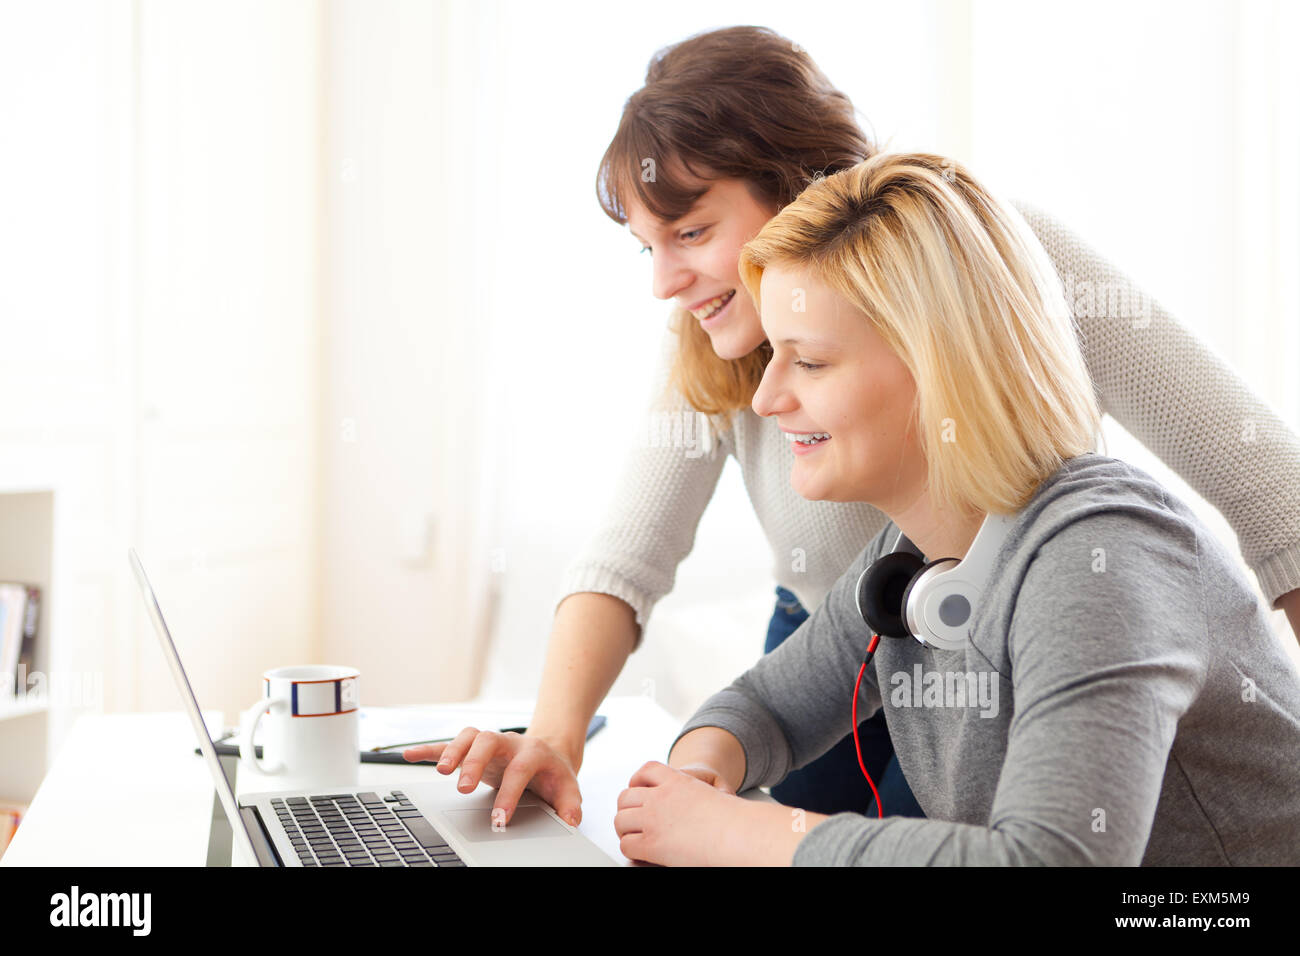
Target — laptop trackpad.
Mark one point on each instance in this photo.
(528, 823)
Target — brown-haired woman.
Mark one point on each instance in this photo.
(729, 127)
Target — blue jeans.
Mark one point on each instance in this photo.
(833, 782)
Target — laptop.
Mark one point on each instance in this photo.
(425, 824)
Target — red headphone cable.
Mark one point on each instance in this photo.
(871, 650)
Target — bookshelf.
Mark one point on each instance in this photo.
(26, 554)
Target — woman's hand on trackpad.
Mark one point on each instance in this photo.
(510, 762)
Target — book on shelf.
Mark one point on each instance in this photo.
(19, 615)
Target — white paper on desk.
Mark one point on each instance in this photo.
(384, 726)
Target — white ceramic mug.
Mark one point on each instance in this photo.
(310, 731)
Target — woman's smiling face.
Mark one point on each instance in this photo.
(695, 262)
(836, 384)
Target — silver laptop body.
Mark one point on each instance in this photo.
(425, 824)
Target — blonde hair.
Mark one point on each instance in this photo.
(959, 288)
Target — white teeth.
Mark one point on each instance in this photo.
(712, 306)
(808, 438)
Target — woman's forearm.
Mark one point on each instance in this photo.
(591, 638)
(715, 748)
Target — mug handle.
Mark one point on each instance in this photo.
(252, 717)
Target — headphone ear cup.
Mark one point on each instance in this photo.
(881, 591)
(907, 593)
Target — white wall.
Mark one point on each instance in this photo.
(59, 313)
(409, 195)
(226, 339)
(158, 312)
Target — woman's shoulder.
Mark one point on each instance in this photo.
(1091, 493)
(1103, 552)
(1102, 536)
(1096, 477)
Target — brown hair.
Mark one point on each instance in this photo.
(738, 103)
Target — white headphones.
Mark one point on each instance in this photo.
(902, 596)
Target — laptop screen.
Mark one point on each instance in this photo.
(225, 792)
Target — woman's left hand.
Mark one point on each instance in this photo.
(672, 818)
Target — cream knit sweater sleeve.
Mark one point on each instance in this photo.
(1182, 401)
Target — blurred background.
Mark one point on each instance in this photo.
(312, 304)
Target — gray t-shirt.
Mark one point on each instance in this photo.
(1122, 699)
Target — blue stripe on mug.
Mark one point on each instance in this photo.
(294, 709)
(319, 698)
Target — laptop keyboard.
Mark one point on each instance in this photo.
(363, 829)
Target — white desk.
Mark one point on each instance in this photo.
(128, 789)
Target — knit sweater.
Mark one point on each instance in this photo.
(1151, 375)
(1121, 700)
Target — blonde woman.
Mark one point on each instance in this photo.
(729, 127)
(1137, 710)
